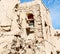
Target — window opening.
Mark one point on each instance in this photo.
(30, 21)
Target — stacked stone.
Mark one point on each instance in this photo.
(20, 42)
(21, 46)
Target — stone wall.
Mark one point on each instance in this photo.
(15, 34)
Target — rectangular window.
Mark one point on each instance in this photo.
(30, 22)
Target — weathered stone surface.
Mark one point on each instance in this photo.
(23, 34)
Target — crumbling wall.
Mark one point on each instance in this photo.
(14, 28)
(8, 24)
(11, 30)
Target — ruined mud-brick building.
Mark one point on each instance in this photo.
(26, 28)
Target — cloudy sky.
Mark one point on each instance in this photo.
(54, 7)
